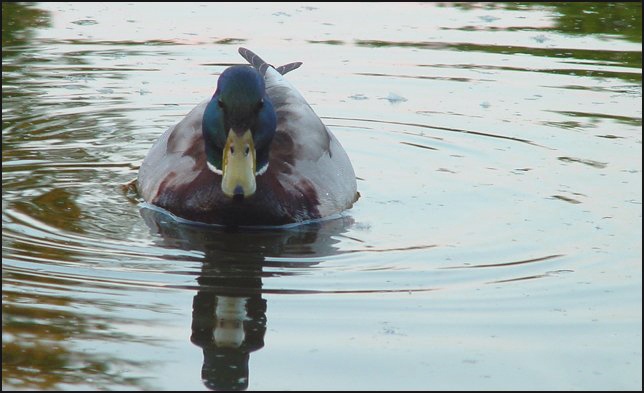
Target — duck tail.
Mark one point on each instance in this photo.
(261, 66)
(288, 67)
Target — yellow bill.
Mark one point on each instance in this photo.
(239, 165)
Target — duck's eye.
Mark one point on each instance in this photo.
(259, 105)
(221, 104)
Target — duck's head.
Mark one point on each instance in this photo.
(238, 127)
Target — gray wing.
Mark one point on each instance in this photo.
(176, 158)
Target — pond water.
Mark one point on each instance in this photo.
(497, 243)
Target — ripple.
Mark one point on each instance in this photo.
(503, 264)
(592, 163)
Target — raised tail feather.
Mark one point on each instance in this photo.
(261, 66)
(288, 67)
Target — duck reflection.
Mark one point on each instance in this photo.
(228, 311)
(228, 324)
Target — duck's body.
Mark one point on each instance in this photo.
(308, 175)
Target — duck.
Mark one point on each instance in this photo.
(254, 154)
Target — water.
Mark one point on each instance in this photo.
(496, 245)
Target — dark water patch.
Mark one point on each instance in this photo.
(631, 59)
(592, 163)
(444, 78)
(566, 199)
(536, 276)
(85, 22)
(327, 42)
(609, 136)
(622, 19)
(419, 145)
(588, 71)
(632, 121)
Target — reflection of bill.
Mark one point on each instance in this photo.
(228, 311)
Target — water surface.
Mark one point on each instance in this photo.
(496, 245)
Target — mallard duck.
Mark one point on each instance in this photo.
(254, 154)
